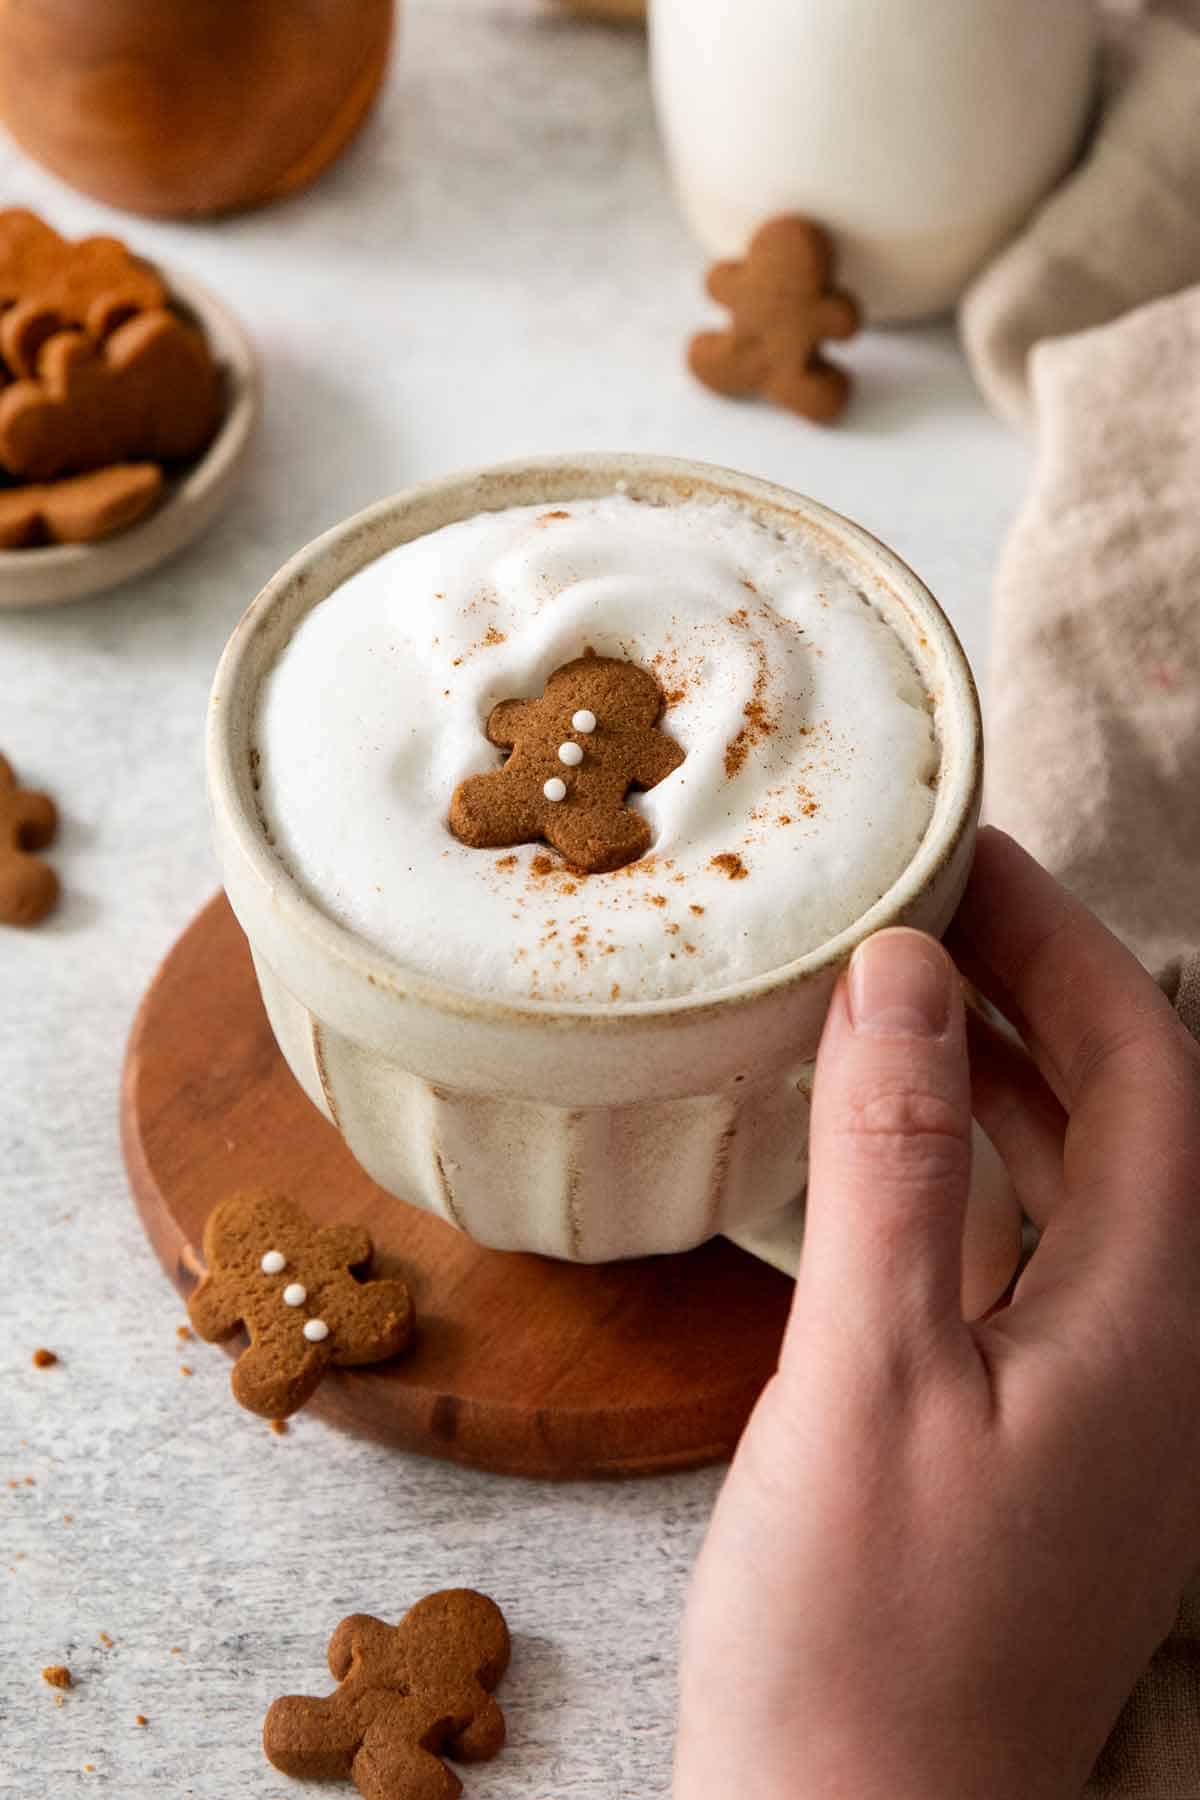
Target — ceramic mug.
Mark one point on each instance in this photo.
(588, 1132)
(922, 133)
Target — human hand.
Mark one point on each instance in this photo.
(944, 1552)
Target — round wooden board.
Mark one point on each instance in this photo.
(521, 1364)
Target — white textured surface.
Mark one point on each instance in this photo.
(496, 268)
(809, 747)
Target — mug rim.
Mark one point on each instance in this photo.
(313, 573)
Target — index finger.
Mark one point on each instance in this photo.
(1079, 998)
(1124, 1068)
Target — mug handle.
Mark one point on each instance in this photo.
(991, 1237)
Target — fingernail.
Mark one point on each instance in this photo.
(900, 985)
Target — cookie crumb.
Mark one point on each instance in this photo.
(68, 1518)
(140, 1719)
(105, 1639)
(176, 1650)
(44, 1359)
(698, 910)
(186, 1369)
(184, 1333)
(58, 1676)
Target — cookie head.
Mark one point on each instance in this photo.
(459, 1634)
(246, 1232)
(623, 693)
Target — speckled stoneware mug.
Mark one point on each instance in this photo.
(582, 1131)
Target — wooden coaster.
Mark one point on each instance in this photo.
(521, 1364)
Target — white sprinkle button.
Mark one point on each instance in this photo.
(571, 754)
(584, 721)
(295, 1294)
(315, 1330)
(273, 1262)
(555, 789)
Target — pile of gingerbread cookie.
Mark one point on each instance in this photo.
(105, 388)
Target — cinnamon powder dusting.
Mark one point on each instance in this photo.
(759, 723)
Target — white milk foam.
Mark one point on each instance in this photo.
(805, 792)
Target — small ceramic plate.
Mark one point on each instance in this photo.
(49, 575)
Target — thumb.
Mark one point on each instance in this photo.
(890, 1148)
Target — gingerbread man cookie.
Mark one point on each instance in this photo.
(79, 509)
(409, 1694)
(784, 304)
(147, 393)
(288, 1282)
(28, 886)
(576, 753)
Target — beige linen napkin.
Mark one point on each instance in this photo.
(1094, 749)
(1124, 227)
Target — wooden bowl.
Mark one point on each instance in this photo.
(54, 573)
(177, 108)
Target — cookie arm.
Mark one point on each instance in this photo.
(360, 1635)
(215, 1310)
(837, 316)
(349, 1244)
(507, 720)
(658, 756)
(722, 282)
(371, 1320)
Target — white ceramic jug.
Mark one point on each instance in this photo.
(921, 132)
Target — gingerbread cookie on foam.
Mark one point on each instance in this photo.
(289, 1283)
(409, 1694)
(575, 754)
